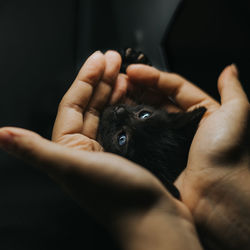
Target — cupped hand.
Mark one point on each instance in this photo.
(78, 113)
(118, 193)
(216, 182)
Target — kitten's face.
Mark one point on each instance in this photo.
(123, 128)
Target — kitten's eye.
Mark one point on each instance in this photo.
(144, 114)
(122, 139)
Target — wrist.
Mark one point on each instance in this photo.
(222, 213)
(158, 229)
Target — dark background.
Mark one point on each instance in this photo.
(42, 43)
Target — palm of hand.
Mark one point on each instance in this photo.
(79, 142)
(218, 169)
(215, 183)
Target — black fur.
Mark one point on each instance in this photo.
(160, 142)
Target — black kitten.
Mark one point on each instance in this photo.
(153, 138)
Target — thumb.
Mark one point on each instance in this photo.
(229, 86)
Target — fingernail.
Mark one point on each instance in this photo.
(98, 52)
(111, 52)
(234, 69)
(6, 140)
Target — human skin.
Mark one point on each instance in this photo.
(128, 200)
(216, 182)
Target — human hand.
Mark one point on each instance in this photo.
(78, 113)
(216, 182)
(121, 195)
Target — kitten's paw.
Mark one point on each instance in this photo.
(131, 56)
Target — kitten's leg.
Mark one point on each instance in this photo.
(131, 56)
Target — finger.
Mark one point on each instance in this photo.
(62, 163)
(128, 93)
(31, 148)
(52, 158)
(185, 94)
(171, 107)
(230, 87)
(120, 88)
(70, 112)
(101, 94)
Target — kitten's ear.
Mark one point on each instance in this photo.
(187, 122)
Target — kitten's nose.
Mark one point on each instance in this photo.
(120, 112)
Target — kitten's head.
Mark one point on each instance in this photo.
(151, 137)
(122, 125)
